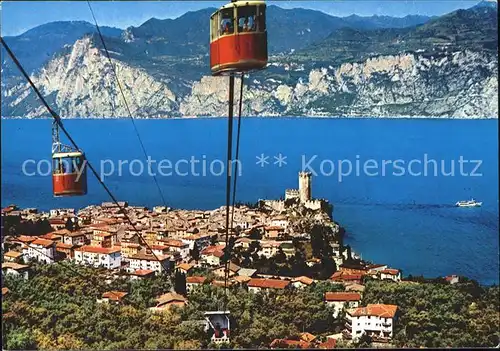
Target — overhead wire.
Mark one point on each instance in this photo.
(123, 97)
(57, 118)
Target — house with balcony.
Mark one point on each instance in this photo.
(374, 320)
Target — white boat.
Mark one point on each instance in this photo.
(470, 203)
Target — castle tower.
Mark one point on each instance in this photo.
(305, 186)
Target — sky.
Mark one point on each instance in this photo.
(19, 16)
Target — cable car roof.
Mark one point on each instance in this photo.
(67, 154)
(240, 4)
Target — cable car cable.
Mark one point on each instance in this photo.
(237, 147)
(124, 99)
(59, 122)
(228, 177)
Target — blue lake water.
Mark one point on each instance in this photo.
(407, 221)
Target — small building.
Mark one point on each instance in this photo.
(343, 277)
(157, 263)
(193, 282)
(166, 301)
(341, 300)
(13, 256)
(64, 251)
(302, 282)
(274, 232)
(247, 272)
(184, 267)
(141, 274)
(115, 297)
(390, 274)
(452, 279)
(16, 269)
(259, 284)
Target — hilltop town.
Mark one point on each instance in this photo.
(277, 245)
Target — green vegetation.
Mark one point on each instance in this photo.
(57, 310)
(439, 314)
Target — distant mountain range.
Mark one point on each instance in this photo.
(171, 55)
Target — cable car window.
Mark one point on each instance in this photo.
(246, 19)
(213, 27)
(67, 166)
(227, 21)
(261, 19)
(56, 166)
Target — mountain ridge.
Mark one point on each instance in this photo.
(350, 71)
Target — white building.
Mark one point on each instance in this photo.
(16, 269)
(375, 320)
(390, 274)
(176, 246)
(109, 258)
(42, 250)
(341, 300)
(269, 248)
(157, 263)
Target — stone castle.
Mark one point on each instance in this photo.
(303, 193)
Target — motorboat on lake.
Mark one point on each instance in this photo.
(469, 203)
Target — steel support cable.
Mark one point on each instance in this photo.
(60, 124)
(237, 153)
(228, 181)
(123, 97)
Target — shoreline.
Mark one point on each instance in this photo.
(259, 117)
(356, 255)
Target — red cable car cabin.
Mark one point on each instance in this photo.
(238, 37)
(69, 173)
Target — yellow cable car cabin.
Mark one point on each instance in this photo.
(238, 37)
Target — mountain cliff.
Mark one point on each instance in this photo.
(353, 66)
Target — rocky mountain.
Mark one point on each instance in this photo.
(36, 47)
(325, 66)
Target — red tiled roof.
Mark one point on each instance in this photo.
(390, 271)
(185, 266)
(342, 296)
(114, 295)
(50, 236)
(63, 246)
(26, 239)
(57, 221)
(5, 291)
(342, 276)
(304, 280)
(142, 272)
(378, 310)
(330, 343)
(268, 283)
(13, 254)
(42, 242)
(195, 280)
(173, 242)
(97, 249)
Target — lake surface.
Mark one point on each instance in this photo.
(404, 217)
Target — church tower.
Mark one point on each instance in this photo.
(305, 186)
